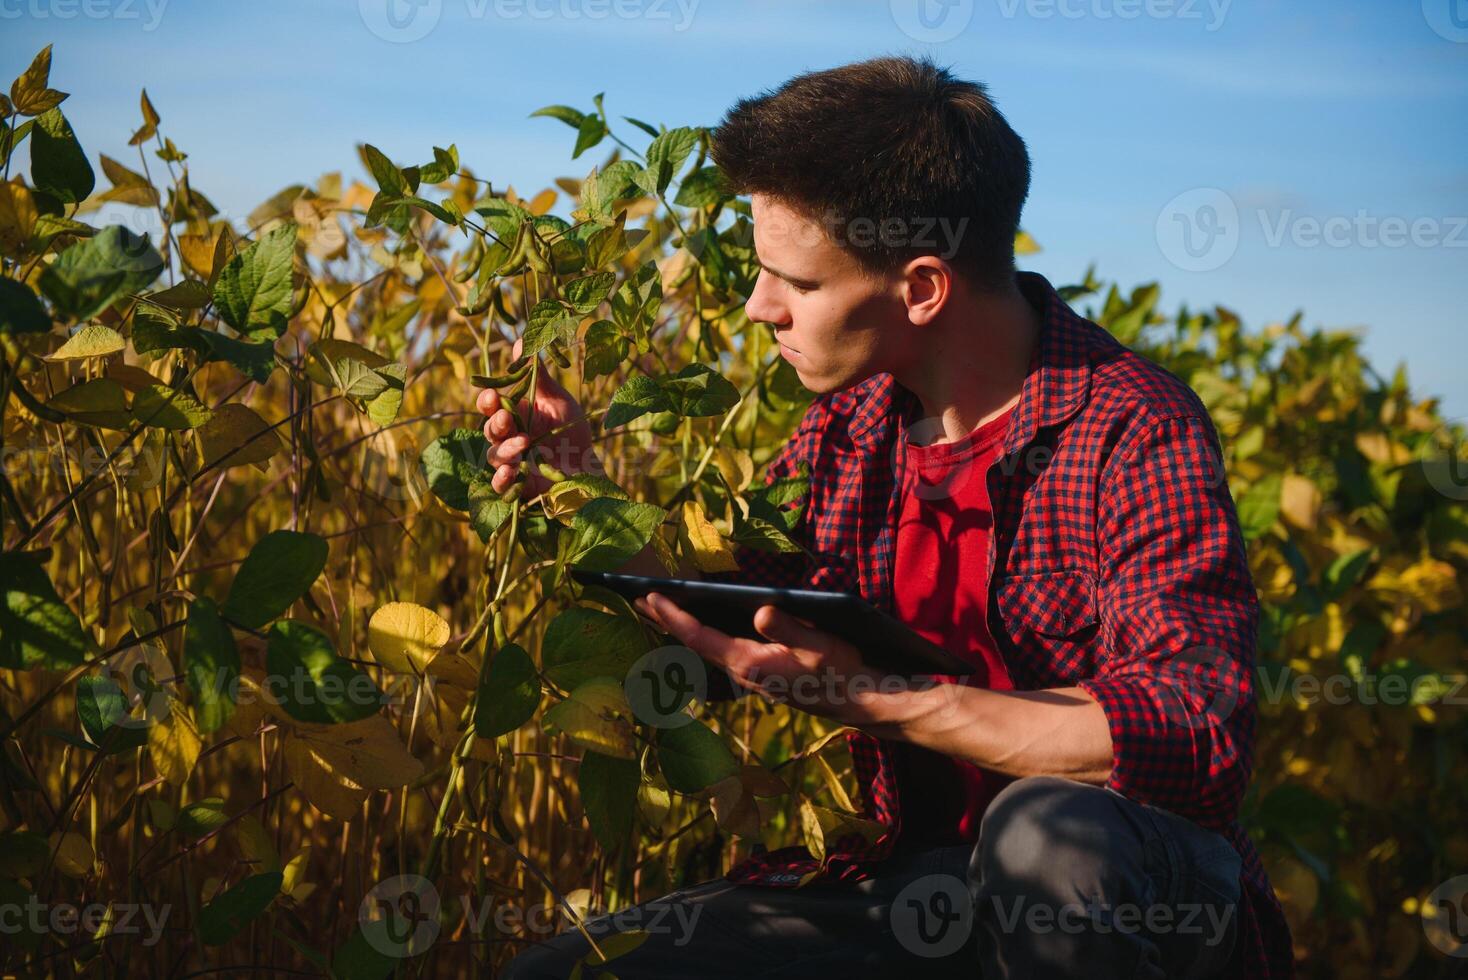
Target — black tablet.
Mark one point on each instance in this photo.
(885, 643)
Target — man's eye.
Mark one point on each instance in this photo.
(802, 290)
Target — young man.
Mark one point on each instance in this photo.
(1005, 477)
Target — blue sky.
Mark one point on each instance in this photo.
(1146, 120)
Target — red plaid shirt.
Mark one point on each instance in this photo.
(1116, 565)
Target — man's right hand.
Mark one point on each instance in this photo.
(568, 450)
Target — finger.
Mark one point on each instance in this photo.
(508, 450)
(781, 627)
(709, 643)
(488, 401)
(503, 479)
(501, 425)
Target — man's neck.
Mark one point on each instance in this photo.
(971, 365)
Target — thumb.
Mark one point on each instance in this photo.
(775, 624)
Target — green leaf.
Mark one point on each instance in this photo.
(591, 132)
(164, 408)
(101, 707)
(1259, 506)
(314, 683)
(582, 643)
(257, 360)
(571, 117)
(225, 917)
(509, 694)
(549, 322)
(37, 629)
(359, 958)
(698, 391)
(23, 854)
(703, 187)
(211, 664)
(589, 292)
(20, 309)
(609, 796)
(450, 462)
(202, 817)
(59, 167)
(101, 402)
(1346, 571)
(277, 572)
(389, 178)
(487, 509)
(253, 293)
(638, 396)
(607, 532)
(606, 350)
(692, 757)
(94, 273)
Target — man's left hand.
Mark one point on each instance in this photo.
(802, 666)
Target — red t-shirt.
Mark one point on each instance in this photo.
(940, 589)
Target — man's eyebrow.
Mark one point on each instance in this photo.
(795, 280)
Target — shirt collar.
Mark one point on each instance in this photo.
(1056, 387)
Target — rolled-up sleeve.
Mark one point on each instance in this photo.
(1180, 619)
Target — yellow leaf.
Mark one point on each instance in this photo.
(17, 216)
(810, 829)
(368, 752)
(1024, 244)
(735, 465)
(711, 553)
(405, 637)
(1379, 448)
(294, 874)
(542, 202)
(150, 122)
(332, 794)
(734, 808)
(595, 717)
(1300, 501)
(173, 745)
(30, 92)
(833, 783)
(237, 435)
(74, 855)
(762, 782)
(94, 340)
(197, 252)
(1296, 886)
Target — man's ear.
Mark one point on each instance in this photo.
(927, 286)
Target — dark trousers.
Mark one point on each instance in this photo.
(1066, 880)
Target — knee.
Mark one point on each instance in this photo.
(1048, 836)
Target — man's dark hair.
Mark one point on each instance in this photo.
(895, 140)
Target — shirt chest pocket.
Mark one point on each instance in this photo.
(1052, 624)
